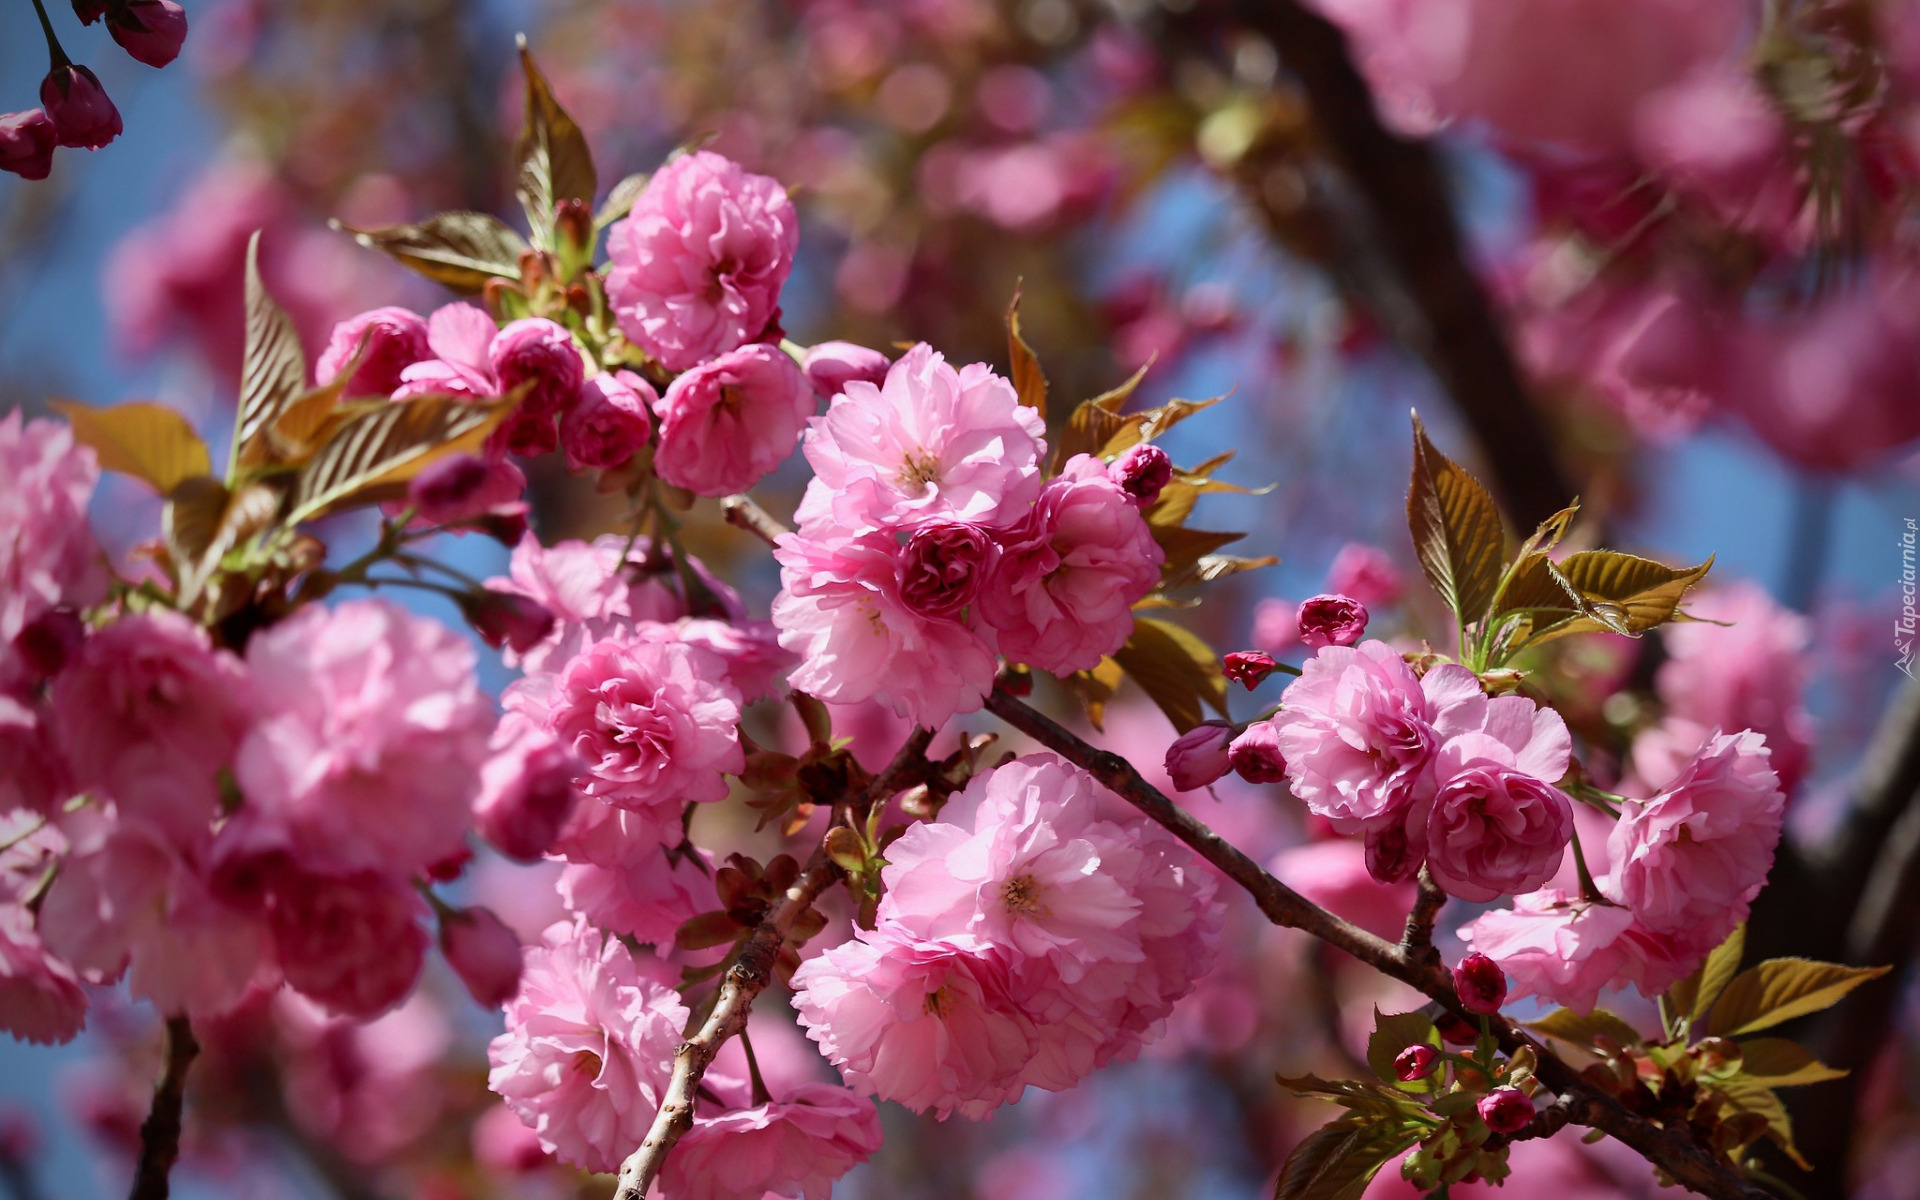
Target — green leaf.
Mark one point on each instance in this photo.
(1029, 381)
(1394, 1032)
(459, 249)
(1338, 1161)
(1094, 688)
(1456, 529)
(1778, 1062)
(373, 456)
(202, 521)
(1748, 1095)
(555, 163)
(1779, 990)
(1367, 1099)
(1695, 994)
(1580, 1029)
(1538, 589)
(150, 442)
(273, 372)
(1177, 670)
(1624, 593)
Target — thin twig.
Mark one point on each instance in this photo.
(742, 513)
(160, 1132)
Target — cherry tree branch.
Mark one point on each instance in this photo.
(1670, 1149)
(160, 1132)
(742, 513)
(1417, 942)
(748, 976)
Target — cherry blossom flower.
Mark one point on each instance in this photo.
(796, 1146)
(726, 423)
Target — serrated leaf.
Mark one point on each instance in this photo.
(1338, 1161)
(1177, 670)
(620, 200)
(1210, 567)
(1094, 423)
(1393, 1033)
(1781, 989)
(1695, 994)
(1538, 589)
(1184, 547)
(1748, 1095)
(148, 441)
(1580, 1029)
(554, 161)
(375, 454)
(202, 521)
(1029, 381)
(1625, 593)
(459, 249)
(1456, 529)
(273, 371)
(1779, 1062)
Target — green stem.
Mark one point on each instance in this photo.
(56, 53)
(760, 1093)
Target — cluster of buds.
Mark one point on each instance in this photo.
(75, 110)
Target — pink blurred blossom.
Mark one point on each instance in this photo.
(50, 557)
(796, 1146)
(40, 996)
(352, 943)
(389, 340)
(1367, 575)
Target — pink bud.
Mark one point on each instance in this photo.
(1391, 855)
(1415, 1062)
(82, 114)
(1506, 1110)
(831, 366)
(1481, 983)
(462, 487)
(1255, 754)
(26, 144)
(942, 567)
(1199, 756)
(507, 619)
(609, 422)
(1142, 471)
(483, 952)
(1456, 1030)
(49, 641)
(1249, 667)
(152, 31)
(1331, 620)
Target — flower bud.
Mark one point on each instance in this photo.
(1332, 620)
(152, 31)
(26, 144)
(460, 488)
(831, 366)
(573, 221)
(78, 106)
(1255, 754)
(1481, 983)
(1506, 1110)
(1393, 857)
(483, 952)
(1199, 756)
(609, 422)
(507, 619)
(1456, 1030)
(943, 566)
(1142, 471)
(1248, 667)
(1415, 1062)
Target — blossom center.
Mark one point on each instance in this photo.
(939, 1003)
(918, 468)
(1021, 894)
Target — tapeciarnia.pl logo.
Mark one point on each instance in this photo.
(1903, 625)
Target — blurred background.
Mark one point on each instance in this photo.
(1703, 266)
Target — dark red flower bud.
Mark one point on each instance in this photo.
(1506, 1110)
(1248, 667)
(1255, 755)
(78, 106)
(152, 31)
(506, 619)
(1332, 621)
(89, 11)
(49, 640)
(1481, 983)
(1415, 1062)
(1142, 471)
(1200, 755)
(26, 144)
(1456, 1030)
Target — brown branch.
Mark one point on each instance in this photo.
(1673, 1151)
(748, 976)
(160, 1132)
(742, 513)
(1417, 942)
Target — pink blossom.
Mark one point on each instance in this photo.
(831, 366)
(1061, 596)
(1493, 830)
(354, 944)
(78, 106)
(26, 143)
(535, 354)
(1142, 471)
(1566, 950)
(152, 713)
(504, 1143)
(842, 611)
(40, 996)
(503, 619)
(369, 734)
(927, 1023)
(943, 566)
(726, 423)
(1506, 1110)
(371, 1089)
(647, 897)
(395, 339)
(1276, 626)
(1255, 754)
(36, 778)
(1199, 756)
(1331, 620)
(460, 335)
(1716, 136)
(1367, 575)
(484, 953)
(526, 789)
(150, 31)
(588, 1047)
(756, 663)
(1689, 861)
(797, 1146)
(656, 724)
(609, 422)
(1334, 875)
(1480, 983)
(48, 557)
(698, 264)
(930, 442)
(1355, 730)
(460, 488)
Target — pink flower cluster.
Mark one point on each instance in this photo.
(1031, 947)
(930, 541)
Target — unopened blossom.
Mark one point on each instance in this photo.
(1199, 756)
(609, 422)
(842, 611)
(1356, 732)
(588, 1047)
(388, 341)
(151, 713)
(41, 1000)
(459, 488)
(484, 953)
(526, 789)
(1492, 827)
(697, 265)
(1142, 471)
(796, 1146)
(151, 31)
(654, 724)
(503, 619)
(1689, 861)
(538, 358)
(78, 106)
(1249, 668)
(1566, 950)
(26, 143)
(369, 731)
(1481, 984)
(646, 897)
(930, 1024)
(1506, 1110)
(930, 442)
(49, 558)
(1255, 754)
(354, 943)
(1415, 1062)
(831, 366)
(943, 566)
(726, 423)
(1331, 620)
(1062, 592)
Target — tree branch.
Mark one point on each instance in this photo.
(746, 978)
(160, 1132)
(1417, 943)
(742, 513)
(1672, 1150)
